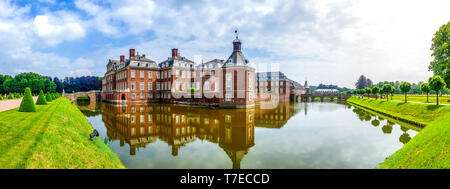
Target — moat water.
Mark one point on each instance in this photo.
(284, 135)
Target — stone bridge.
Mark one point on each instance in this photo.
(313, 97)
(93, 95)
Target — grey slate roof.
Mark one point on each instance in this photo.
(178, 60)
(216, 63)
(270, 76)
(236, 59)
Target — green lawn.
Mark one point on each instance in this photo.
(55, 136)
(423, 98)
(430, 148)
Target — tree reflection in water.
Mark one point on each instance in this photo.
(364, 115)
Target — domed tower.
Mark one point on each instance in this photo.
(238, 79)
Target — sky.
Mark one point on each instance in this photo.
(330, 42)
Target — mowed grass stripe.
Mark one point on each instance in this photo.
(16, 147)
(9, 128)
(57, 138)
(28, 153)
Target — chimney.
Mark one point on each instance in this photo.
(122, 58)
(174, 52)
(132, 51)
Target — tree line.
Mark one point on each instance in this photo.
(84, 83)
(437, 84)
(16, 85)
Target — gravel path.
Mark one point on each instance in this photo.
(11, 104)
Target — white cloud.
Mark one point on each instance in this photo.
(325, 41)
(18, 34)
(58, 27)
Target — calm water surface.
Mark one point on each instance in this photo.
(300, 135)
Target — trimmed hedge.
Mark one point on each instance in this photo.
(10, 96)
(48, 97)
(27, 104)
(41, 99)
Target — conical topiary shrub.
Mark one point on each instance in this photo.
(53, 96)
(41, 99)
(48, 97)
(27, 104)
(10, 96)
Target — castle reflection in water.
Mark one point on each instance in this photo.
(232, 129)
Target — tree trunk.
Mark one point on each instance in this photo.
(437, 98)
(405, 99)
(427, 97)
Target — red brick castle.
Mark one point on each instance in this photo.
(229, 83)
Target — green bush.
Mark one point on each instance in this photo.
(52, 96)
(48, 97)
(41, 99)
(27, 104)
(10, 96)
(1, 96)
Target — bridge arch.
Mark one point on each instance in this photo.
(93, 95)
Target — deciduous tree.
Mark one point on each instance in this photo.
(405, 87)
(436, 83)
(424, 87)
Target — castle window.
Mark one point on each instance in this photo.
(142, 96)
(133, 86)
(132, 73)
(149, 74)
(150, 86)
(206, 86)
(141, 86)
(228, 97)
(228, 81)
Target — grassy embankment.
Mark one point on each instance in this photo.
(55, 136)
(430, 147)
(423, 98)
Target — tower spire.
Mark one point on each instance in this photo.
(236, 43)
